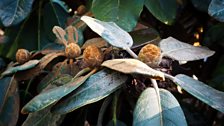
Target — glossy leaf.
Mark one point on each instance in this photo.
(51, 96)
(181, 51)
(110, 32)
(13, 12)
(97, 87)
(43, 118)
(10, 111)
(203, 92)
(54, 15)
(163, 10)
(124, 13)
(133, 66)
(146, 112)
(28, 65)
(215, 9)
(144, 36)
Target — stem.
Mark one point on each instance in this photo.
(131, 52)
(103, 108)
(83, 71)
(154, 83)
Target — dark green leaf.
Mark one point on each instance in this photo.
(110, 32)
(43, 118)
(216, 10)
(214, 35)
(5, 84)
(97, 87)
(203, 92)
(51, 96)
(118, 123)
(54, 15)
(124, 13)
(10, 111)
(144, 36)
(28, 65)
(181, 51)
(147, 112)
(13, 12)
(163, 10)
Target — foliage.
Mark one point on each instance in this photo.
(61, 85)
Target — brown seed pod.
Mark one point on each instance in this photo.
(81, 10)
(150, 54)
(92, 56)
(22, 56)
(72, 50)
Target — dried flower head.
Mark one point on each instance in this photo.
(92, 56)
(22, 56)
(72, 50)
(150, 54)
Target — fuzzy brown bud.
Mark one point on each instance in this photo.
(81, 10)
(22, 56)
(72, 50)
(150, 54)
(92, 56)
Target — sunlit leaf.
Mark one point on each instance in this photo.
(147, 113)
(181, 51)
(163, 10)
(10, 110)
(203, 92)
(133, 66)
(28, 65)
(215, 9)
(97, 87)
(51, 96)
(13, 12)
(110, 32)
(124, 13)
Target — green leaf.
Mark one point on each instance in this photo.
(110, 32)
(203, 92)
(13, 12)
(97, 87)
(124, 13)
(118, 123)
(214, 35)
(132, 66)
(163, 10)
(43, 118)
(35, 32)
(144, 36)
(146, 112)
(216, 10)
(5, 84)
(28, 65)
(10, 111)
(53, 95)
(181, 51)
(54, 15)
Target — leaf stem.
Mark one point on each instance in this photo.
(131, 52)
